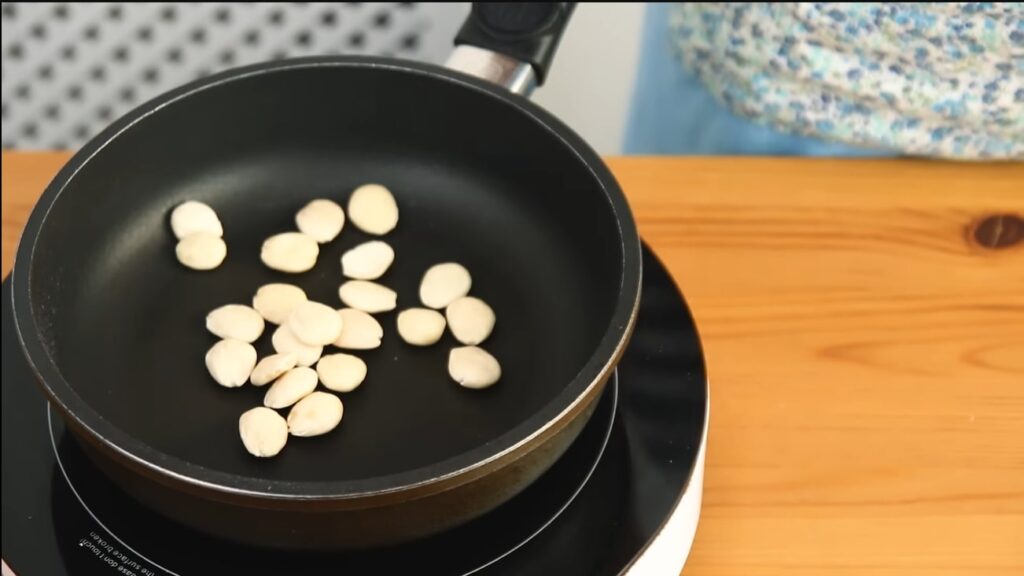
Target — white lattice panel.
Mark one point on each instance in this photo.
(71, 68)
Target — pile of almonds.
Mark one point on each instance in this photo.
(200, 236)
(305, 327)
(469, 319)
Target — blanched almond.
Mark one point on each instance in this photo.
(443, 284)
(321, 219)
(292, 386)
(470, 319)
(373, 210)
(316, 414)
(359, 331)
(285, 342)
(367, 296)
(191, 217)
(314, 323)
(291, 252)
(236, 322)
(275, 302)
(341, 372)
(264, 432)
(230, 362)
(201, 251)
(367, 261)
(420, 326)
(473, 367)
(268, 369)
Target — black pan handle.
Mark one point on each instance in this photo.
(511, 43)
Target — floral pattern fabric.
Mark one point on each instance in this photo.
(934, 79)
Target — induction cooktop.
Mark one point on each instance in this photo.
(624, 499)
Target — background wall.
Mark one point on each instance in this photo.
(592, 78)
(69, 69)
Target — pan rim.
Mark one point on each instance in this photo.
(409, 484)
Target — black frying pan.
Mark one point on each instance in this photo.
(113, 325)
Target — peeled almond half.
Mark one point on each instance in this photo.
(373, 210)
(341, 372)
(275, 302)
(191, 217)
(367, 261)
(359, 331)
(443, 284)
(201, 251)
(285, 342)
(316, 414)
(473, 367)
(270, 368)
(470, 319)
(367, 296)
(291, 252)
(236, 322)
(292, 386)
(264, 432)
(230, 362)
(420, 326)
(321, 219)
(314, 323)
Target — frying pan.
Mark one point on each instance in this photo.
(112, 325)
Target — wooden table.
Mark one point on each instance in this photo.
(865, 343)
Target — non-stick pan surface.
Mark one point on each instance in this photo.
(114, 325)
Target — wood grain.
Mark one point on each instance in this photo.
(866, 356)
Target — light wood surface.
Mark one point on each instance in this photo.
(866, 356)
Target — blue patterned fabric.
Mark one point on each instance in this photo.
(832, 79)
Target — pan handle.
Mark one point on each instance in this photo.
(510, 43)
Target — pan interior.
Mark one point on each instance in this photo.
(477, 180)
